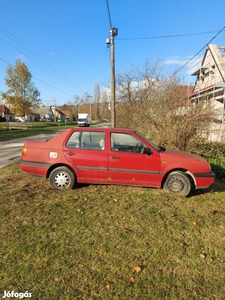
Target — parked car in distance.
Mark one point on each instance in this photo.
(60, 120)
(113, 156)
(67, 120)
(19, 119)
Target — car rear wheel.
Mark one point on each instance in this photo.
(177, 182)
(62, 178)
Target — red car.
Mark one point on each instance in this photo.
(113, 156)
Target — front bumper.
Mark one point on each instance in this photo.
(204, 180)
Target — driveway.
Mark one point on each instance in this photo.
(10, 151)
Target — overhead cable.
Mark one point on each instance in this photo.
(198, 52)
(40, 80)
(109, 15)
(53, 70)
(167, 36)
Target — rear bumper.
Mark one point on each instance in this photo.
(34, 168)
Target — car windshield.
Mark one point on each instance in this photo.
(157, 148)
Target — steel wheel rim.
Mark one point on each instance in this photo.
(61, 180)
(175, 184)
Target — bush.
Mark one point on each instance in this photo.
(159, 108)
(214, 153)
(207, 149)
(218, 166)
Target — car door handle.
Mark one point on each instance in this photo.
(70, 153)
(114, 157)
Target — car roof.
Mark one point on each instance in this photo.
(103, 128)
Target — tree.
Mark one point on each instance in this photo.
(97, 96)
(22, 95)
(105, 111)
(86, 101)
(158, 107)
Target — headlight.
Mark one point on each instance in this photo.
(209, 167)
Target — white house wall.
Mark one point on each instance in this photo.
(212, 69)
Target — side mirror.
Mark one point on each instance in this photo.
(147, 151)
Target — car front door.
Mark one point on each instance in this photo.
(128, 164)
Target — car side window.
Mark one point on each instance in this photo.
(93, 140)
(87, 140)
(74, 140)
(123, 142)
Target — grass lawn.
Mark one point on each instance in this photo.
(34, 129)
(110, 242)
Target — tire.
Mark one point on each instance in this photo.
(177, 182)
(62, 178)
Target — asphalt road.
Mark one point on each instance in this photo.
(10, 151)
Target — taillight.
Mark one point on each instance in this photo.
(24, 151)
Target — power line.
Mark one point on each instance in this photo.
(5, 61)
(168, 36)
(51, 86)
(198, 52)
(109, 15)
(16, 40)
(40, 80)
(35, 62)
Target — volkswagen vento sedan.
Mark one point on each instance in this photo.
(113, 156)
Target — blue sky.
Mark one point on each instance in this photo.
(63, 43)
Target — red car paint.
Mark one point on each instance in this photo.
(120, 162)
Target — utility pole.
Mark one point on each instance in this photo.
(113, 32)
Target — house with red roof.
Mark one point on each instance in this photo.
(5, 114)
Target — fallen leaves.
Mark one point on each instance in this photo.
(107, 285)
(137, 269)
(126, 229)
(131, 280)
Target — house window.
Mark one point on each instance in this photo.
(212, 71)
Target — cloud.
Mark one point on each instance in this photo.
(176, 61)
(189, 62)
(21, 57)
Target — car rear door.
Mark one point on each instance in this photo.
(87, 152)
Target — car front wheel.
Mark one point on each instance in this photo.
(62, 178)
(177, 182)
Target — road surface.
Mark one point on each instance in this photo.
(10, 151)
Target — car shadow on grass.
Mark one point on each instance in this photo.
(217, 186)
